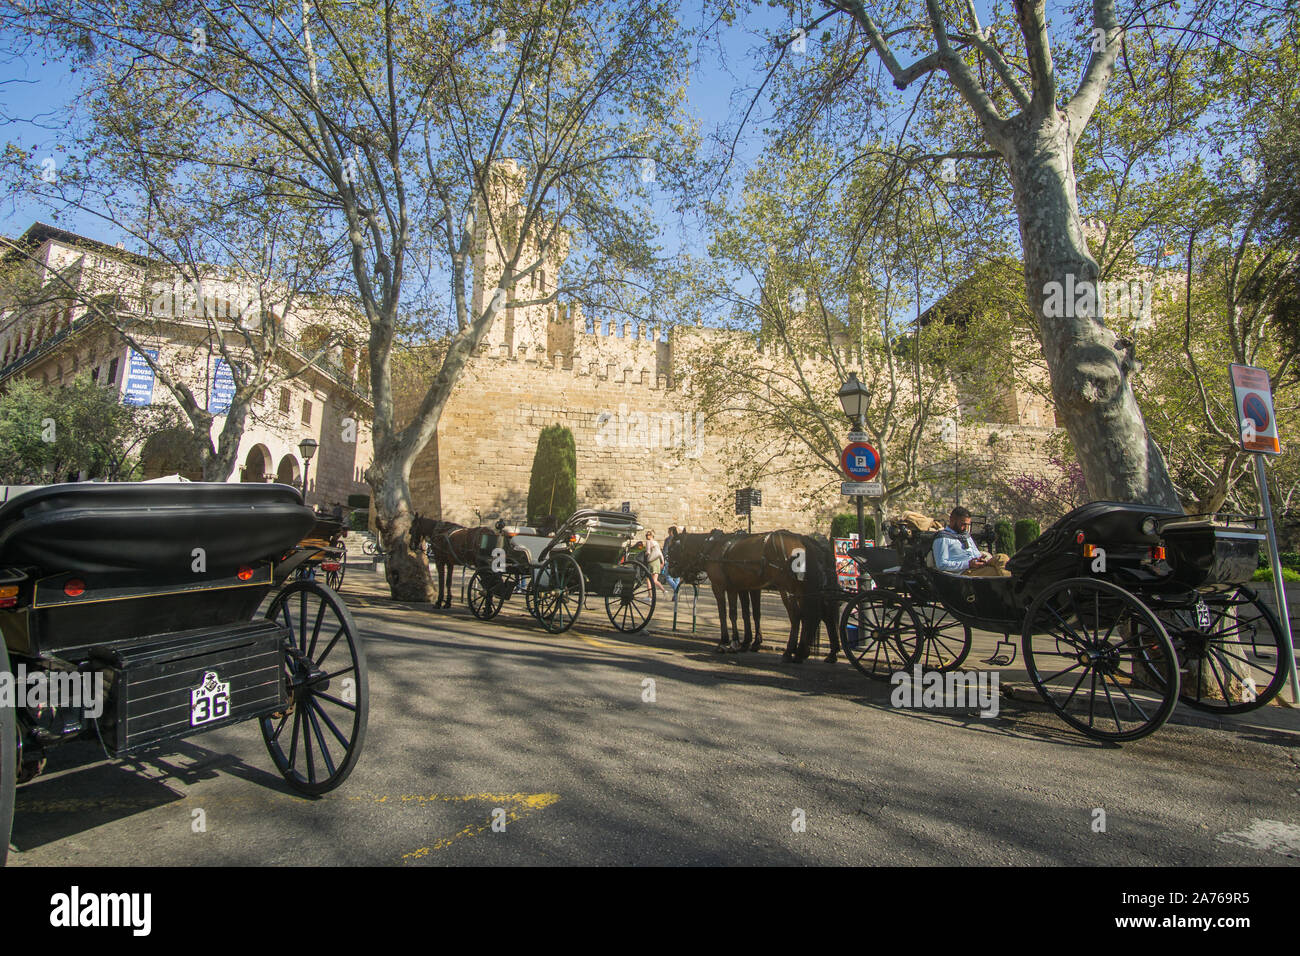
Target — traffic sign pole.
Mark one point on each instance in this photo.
(1279, 587)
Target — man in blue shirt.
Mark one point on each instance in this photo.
(955, 552)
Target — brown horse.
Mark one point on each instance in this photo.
(684, 557)
(800, 568)
(437, 534)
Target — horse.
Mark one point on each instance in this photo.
(799, 567)
(437, 534)
(686, 562)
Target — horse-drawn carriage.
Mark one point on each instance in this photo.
(323, 551)
(1122, 609)
(130, 613)
(589, 554)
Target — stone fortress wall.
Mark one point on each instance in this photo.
(616, 386)
(637, 438)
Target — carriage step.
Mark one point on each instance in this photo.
(1002, 658)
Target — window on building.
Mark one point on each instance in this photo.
(112, 372)
(306, 412)
(284, 400)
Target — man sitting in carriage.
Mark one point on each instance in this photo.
(955, 552)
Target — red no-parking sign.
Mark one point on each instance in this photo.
(860, 461)
(1253, 398)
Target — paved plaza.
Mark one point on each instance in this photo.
(496, 743)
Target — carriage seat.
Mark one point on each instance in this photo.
(531, 545)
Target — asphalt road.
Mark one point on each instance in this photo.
(558, 738)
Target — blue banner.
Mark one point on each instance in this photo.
(223, 388)
(139, 379)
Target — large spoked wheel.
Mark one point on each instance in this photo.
(316, 741)
(1229, 647)
(945, 641)
(1101, 659)
(335, 567)
(879, 632)
(632, 602)
(559, 592)
(8, 759)
(484, 595)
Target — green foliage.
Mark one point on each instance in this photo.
(1026, 530)
(846, 523)
(553, 487)
(1289, 575)
(1004, 539)
(51, 434)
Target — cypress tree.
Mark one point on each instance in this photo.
(553, 487)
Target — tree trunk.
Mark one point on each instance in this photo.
(219, 463)
(407, 571)
(1089, 375)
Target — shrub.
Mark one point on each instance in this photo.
(553, 488)
(1004, 539)
(1026, 530)
(846, 523)
(1289, 575)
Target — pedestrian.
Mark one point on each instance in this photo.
(654, 557)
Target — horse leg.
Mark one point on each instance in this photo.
(735, 644)
(792, 611)
(444, 590)
(744, 610)
(832, 631)
(756, 599)
(720, 595)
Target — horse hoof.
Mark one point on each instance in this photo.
(788, 658)
(754, 647)
(831, 658)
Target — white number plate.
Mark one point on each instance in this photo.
(210, 701)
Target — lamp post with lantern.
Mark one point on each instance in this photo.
(307, 447)
(854, 396)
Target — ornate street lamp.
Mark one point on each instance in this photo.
(307, 447)
(854, 396)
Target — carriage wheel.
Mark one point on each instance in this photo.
(335, 567)
(316, 741)
(8, 759)
(631, 603)
(946, 639)
(484, 595)
(1230, 650)
(879, 632)
(559, 593)
(1101, 659)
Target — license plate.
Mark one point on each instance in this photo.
(210, 700)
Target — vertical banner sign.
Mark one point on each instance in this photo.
(1253, 398)
(139, 380)
(846, 569)
(223, 388)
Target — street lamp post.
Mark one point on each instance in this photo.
(308, 448)
(854, 396)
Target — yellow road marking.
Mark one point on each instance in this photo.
(517, 806)
(591, 640)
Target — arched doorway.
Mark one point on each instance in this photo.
(257, 466)
(288, 473)
(171, 452)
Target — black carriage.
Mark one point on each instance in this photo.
(321, 552)
(588, 555)
(1122, 611)
(149, 598)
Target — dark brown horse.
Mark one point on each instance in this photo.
(434, 537)
(685, 561)
(800, 568)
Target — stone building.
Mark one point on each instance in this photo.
(54, 335)
(618, 387)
